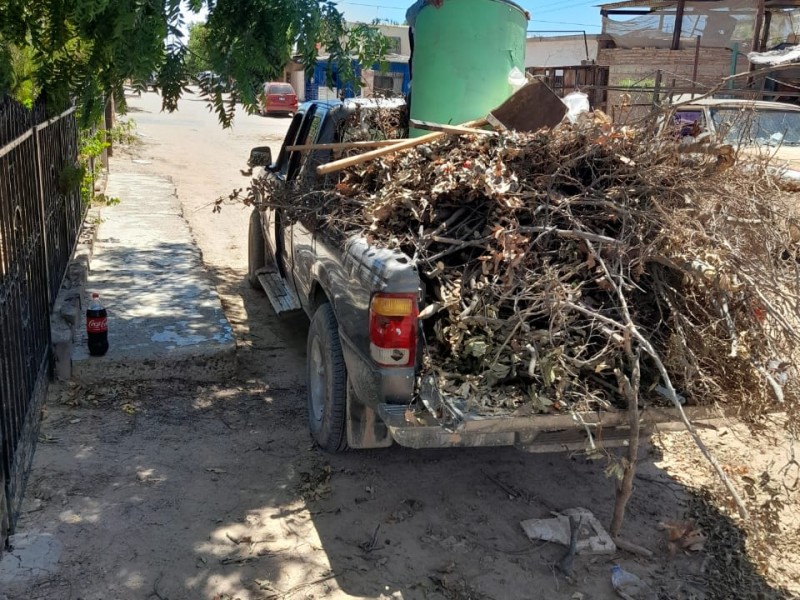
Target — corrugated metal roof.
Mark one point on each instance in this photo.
(667, 3)
(640, 4)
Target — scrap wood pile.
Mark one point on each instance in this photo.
(541, 254)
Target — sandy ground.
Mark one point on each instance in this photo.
(175, 490)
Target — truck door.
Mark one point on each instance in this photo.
(306, 134)
(303, 240)
(271, 217)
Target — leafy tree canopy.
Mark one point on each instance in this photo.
(84, 50)
(197, 48)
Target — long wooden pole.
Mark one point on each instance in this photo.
(343, 163)
(343, 145)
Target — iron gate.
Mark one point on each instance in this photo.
(40, 218)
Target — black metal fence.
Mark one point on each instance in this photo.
(40, 218)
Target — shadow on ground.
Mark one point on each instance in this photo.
(194, 491)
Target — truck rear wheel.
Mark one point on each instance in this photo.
(256, 249)
(327, 382)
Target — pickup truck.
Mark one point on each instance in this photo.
(363, 345)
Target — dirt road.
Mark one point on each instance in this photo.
(183, 491)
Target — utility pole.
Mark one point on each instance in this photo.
(676, 34)
(758, 25)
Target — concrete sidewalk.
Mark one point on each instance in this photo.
(165, 319)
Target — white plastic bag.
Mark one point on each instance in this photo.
(516, 79)
(577, 103)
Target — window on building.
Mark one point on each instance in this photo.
(394, 46)
(383, 83)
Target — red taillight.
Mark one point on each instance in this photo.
(393, 329)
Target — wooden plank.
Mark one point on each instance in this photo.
(455, 129)
(529, 109)
(343, 145)
(344, 163)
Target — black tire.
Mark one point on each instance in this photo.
(256, 249)
(327, 382)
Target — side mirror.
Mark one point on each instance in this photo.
(260, 157)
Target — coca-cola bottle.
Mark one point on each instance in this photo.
(97, 327)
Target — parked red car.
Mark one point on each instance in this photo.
(278, 97)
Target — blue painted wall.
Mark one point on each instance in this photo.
(320, 76)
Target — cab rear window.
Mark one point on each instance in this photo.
(280, 88)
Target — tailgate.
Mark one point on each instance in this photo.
(534, 433)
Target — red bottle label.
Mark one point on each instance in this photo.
(97, 324)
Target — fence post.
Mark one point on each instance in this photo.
(37, 143)
(657, 88)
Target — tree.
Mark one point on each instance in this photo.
(197, 58)
(85, 50)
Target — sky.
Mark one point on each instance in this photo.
(546, 15)
(571, 16)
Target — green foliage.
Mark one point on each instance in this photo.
(107, 200)
(365, 43)
(197, 58)
(70, 178)
(631, 83)
(16, 73)
(86, 49)
(124, 132)
(92, 142)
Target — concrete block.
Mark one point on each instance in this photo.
(62, 352)
(70, 308)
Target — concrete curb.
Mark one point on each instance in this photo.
(66, 317)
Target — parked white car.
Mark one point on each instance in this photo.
(756, 128)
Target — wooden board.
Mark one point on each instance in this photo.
(530, 108)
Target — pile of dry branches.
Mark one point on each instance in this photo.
(573, 267)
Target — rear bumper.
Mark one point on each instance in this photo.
(373, 385)
(280, 109)
(536, 433)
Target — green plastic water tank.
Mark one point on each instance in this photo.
(464, 51)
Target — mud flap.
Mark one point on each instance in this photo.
(365, 429)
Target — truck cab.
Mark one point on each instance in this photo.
(353, 294)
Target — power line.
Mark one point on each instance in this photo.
(566, 23)
(564, 6)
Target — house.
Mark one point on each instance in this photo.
(390, 78)
(394, 79)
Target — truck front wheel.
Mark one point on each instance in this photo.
(256, 249)
(327, 382)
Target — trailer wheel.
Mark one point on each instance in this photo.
(327, 382)
(256, 249)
